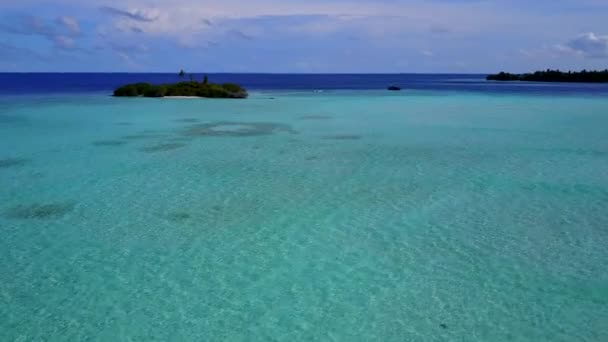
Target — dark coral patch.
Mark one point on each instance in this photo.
(109, 143)
(162, 147)
(237, 129)
(179, 139)
(179, 216)
(342, 137)
(187, 120)
(11, 119)
(143, 136)
(315, 117)
(39, 211)
(12, 162)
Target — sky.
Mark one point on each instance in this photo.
(303, 36)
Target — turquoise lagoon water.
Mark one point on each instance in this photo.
(339, 216)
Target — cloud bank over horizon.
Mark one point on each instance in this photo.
(465, 36)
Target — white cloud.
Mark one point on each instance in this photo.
(69, 23)
(587, 44)
(61, 32)
(128, 60)
(64, 42)
(430, 33)
(179, 17)
(129, 48)
(144, 15)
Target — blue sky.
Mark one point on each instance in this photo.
(457, 36)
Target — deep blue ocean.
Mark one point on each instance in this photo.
(31, 83)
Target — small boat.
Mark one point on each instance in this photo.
(394, 87)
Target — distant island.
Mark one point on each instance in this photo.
(190, 88)
(554, 76)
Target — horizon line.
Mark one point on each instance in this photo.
(246, 73)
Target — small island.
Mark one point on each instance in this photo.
(553, 76)
(190, 88)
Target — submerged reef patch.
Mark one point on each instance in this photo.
(187, 120)
(342, 137)
(179, 216)
(237, 129)
(162, 147)
(109, 143)
(12, 162)
(315, 117)
(11, 119)
(179, 138)
(39, 211)
(143, 135)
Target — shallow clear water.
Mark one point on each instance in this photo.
(346, 215)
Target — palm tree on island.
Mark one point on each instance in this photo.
(192, 88)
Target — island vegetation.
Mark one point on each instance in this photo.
(190, 88)
(553, 76)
